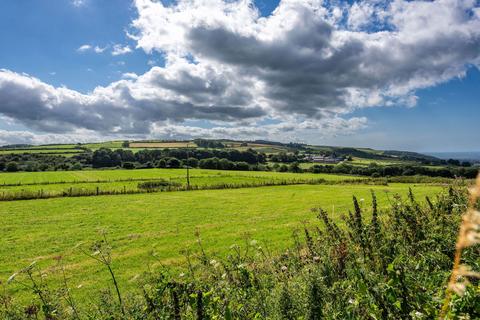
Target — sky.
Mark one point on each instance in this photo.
(383, 74)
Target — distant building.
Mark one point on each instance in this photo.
(322, 159)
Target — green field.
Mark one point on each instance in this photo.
(164, 223)
(59, 152)
(30, 185)
(115, 175)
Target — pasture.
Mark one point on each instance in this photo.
(180, 144)
(147, 230)
(21, 185)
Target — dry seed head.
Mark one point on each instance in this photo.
(469, 235)
(466, 271)
(458, 287)
(469, 230)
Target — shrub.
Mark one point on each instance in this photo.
(157, 184)
(128, 165)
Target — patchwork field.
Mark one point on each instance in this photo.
(163, 223)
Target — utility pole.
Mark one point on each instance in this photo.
(188, 168)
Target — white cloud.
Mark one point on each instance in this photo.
(118, 49)
(129, 75)
(88, 47)
(85, 47)
(98, 49)
(79, 3)
(306, 67)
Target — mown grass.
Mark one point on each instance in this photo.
(165, 223)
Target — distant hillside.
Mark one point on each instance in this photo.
(265, 146)
(410, 156)
(462, 156)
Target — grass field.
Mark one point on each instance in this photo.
(29, 185)
(164, 223)
(162, 145)
(115, 175)
(43, 151)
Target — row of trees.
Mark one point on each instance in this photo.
(42, 162)
(111, 158)
(203, 143)
(209, 163)
(397, 170)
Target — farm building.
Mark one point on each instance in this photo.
(323, 159)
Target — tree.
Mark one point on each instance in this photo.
(243, 166)
(191, 162)
(104, 157)
(294, 167)
(162, 163)
(125, 144)
(12, 167)
(173, 163)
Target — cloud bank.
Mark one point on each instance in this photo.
(304, 68)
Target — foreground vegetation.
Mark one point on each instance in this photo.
(360, 262)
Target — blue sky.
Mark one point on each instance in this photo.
(43, 38)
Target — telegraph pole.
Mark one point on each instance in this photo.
(188, 168)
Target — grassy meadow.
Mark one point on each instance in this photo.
(31, 185)
(163, 223)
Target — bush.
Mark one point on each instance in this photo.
(157, 184)
(76, 166)
(128, 165)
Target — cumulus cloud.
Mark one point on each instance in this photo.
(305, 67)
